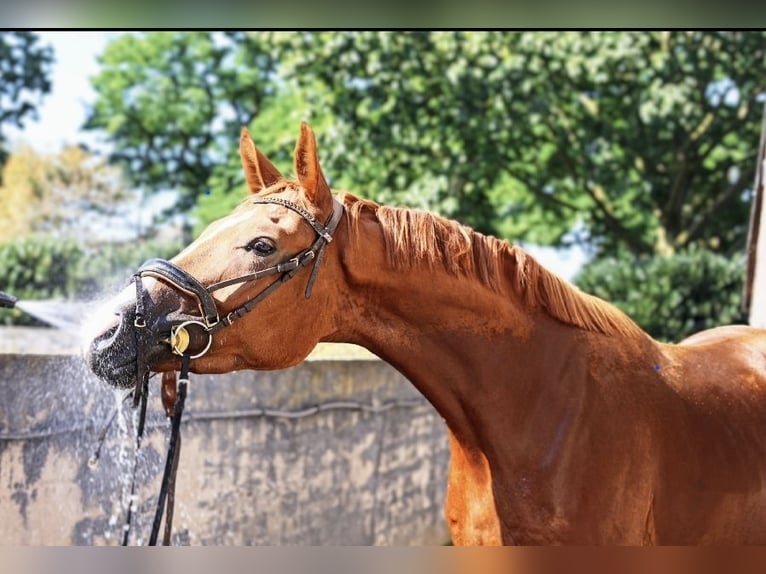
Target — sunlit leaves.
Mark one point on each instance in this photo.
(67, 194)
(670, 297)
(173, 103)
(626, 137)
(25, 68)
(616, 131)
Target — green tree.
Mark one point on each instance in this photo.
(48, 267)
(172, 103)
(641, 141)
(671, 297)
(25, 68)
(71, 193)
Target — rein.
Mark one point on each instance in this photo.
(211, 322)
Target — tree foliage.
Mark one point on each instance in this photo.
(671, 297)
(71, 193)
(25, 68)
(36, 269)
(173, 103)
(47, 267)
(640, 141)
(622, 140)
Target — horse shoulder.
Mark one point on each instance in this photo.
(713, 445)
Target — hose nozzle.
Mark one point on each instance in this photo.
(7, 300)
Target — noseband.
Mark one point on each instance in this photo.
(209, 323)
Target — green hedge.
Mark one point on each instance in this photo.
(46, 268)
(671, 297)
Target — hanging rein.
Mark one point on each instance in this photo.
(181, 342)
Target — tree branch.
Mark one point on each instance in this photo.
(539, 192)
(713, 209)
(609, 219)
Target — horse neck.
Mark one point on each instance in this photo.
(465, 346)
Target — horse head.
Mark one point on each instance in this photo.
(238, 270)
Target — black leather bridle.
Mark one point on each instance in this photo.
(209, 323)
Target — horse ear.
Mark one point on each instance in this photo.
(259, 171)
(307, 168)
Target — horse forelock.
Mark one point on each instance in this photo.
(415, 238)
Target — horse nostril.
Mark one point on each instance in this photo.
(111, 355)
(107, 338)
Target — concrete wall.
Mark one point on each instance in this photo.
(341, 476)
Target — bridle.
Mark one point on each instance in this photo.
(211, 320)
(209, 323)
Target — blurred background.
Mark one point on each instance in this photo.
(623, 161)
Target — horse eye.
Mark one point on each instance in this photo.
(261, 246)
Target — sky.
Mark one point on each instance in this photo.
(63, 111)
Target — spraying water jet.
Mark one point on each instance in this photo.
(53, 312)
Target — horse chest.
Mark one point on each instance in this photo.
(470, 506)
(476, 517)
(470, 510)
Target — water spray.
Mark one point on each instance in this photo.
(53, 312)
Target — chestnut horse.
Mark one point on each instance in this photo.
(567, 423)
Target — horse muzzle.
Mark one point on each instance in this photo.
(112, 352)
(111, 355)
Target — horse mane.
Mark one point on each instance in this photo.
(414, 238)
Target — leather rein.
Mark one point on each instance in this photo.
(210, 323)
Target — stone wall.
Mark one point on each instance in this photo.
(370, 469)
